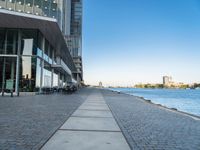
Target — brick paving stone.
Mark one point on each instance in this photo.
(148, 126)
(27, 122)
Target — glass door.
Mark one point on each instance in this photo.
(7, 74)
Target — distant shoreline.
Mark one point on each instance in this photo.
(158, 88)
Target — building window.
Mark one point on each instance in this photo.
(53, 10)
(46, 51)
(28, 74)
(46, 75)
(29, 6)
(8, 63)
(2, 4)
(46, 8)
(38, 74)
(20, 5)
(29, 42)
(55, 80)
(11, 4)
(11, 41)
(38, 7)
(2, 41)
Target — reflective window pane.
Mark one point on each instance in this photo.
(46, 75)
(11, 45)
(29, 6)
(8, 72)
(2, 40)
(38, 74)
(2, 4)
(20, 5)
(28, 74)
(29, 42)
(53, 9)
(10, 4)
(38, 7)
(55, 80)
(46, 8)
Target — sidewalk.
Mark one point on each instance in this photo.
(148, 127)
(90, 127)
(27, 122)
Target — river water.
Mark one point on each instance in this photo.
(184, 100)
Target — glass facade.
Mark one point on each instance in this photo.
(75, 39)
(28, 73)
(36, 56)
(8, 71)
(76, 17)
(46, 8)
(27, 57)
(76, 28)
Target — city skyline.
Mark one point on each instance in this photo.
(140, 41)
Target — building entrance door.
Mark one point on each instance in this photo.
(8, 74)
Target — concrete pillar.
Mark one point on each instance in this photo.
(52, 70)
(3, 80)
(4, 66)
(12, 74)
(17, 63)
(63, 78)
(59, 80)
(42, 65)
(13, 60)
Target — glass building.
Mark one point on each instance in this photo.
(74, 40)
(33, 51)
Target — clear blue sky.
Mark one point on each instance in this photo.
(138, 41)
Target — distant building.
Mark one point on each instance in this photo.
(74, 38)
(100, 84)
(167, 80)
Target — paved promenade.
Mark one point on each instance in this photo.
(149, 127)
(91, 127)
(27, 122)
(86, 118)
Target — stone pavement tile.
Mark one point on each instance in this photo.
(91, 113)
(92, 102)
(94, 107)
(84, 140)
(147, 126)
(95, 99)
(89, 104)
(100, 124)
(95, 102)
(26, 122)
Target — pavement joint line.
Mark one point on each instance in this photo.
(89, 130)
(94, 101)
(98, 130)
(89, 116)
(88, 110)
(94, 109)
(57, 129)
(94, 104)
(117, 121)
